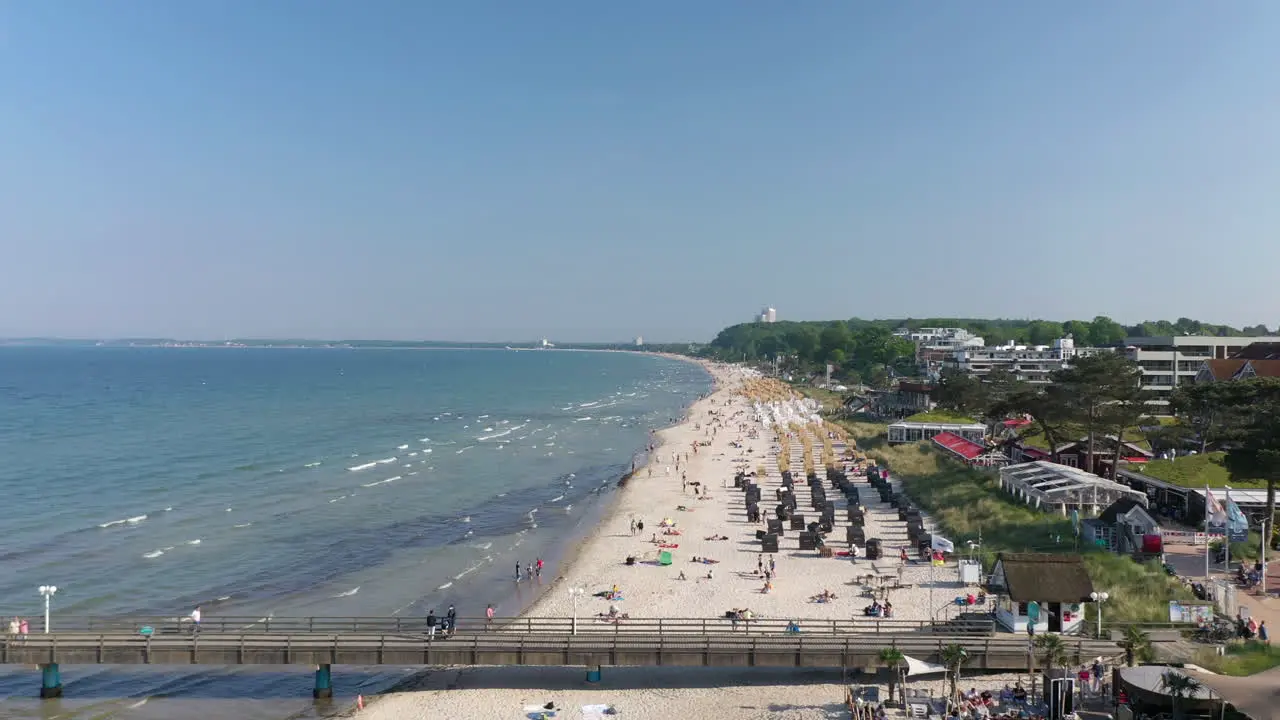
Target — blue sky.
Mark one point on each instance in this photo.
(597, 170)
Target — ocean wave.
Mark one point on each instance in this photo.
(153, 554)
(445, 586)
(127, 521)
(413, 454)
(481, 417)
(194, 542)
(348, 593)
(557, 498)
(244, 525)
(334, 500)
(365, 466)
(402, 447)
(385, 461)
(468, 571)
(464, 449)
(382, 482)
(312, 464)
(589, 404)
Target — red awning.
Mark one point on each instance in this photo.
(963, 447)
(1137, 459)
(1016, 423)
(1035, 453)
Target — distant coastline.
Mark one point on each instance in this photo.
(298, 344)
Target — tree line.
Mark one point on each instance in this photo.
(1100, 398)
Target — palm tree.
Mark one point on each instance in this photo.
(953, 656)
(1053, 652)
(1178, 686)
(1136, 644)
(892, 658)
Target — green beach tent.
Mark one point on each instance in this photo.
(664, 558)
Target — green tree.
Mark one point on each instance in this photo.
(1136, 644)
(1252, 409)
(1105, 331)
(1179, 687)
(1048, 408)
(834, 338)
(1203, 407)
(1053, 652)
(1128, 408)
(962, 392)
(892, 659)
(1043, 332)
(1090, 387)
(953, 656)
(1079, 330)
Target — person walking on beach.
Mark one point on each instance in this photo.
(773, 567)
(633, 522)
(760, 564)
(538, 572)
(528, 572)
(517, 571)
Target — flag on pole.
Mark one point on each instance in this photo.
(940, 543)
(1214, 514)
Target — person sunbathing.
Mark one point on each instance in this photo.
(717, 537)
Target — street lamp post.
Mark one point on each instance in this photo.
(1098, 598)
(575, 593)
(47, 591)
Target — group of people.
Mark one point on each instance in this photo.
(532, 570)
(448, 623)
(876, 610)
(18, 626)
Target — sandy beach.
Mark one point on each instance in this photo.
(689, 481)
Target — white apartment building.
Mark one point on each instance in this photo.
(1170, 362)
(940, 338)
(767, 315)
(1032, 363)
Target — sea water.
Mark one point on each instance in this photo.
(297, 482)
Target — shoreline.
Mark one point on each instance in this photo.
(576, 549)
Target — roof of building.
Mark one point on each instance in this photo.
(1259, 351)
(964, 447)
(1118, 508)
(1054, 483)
(1042, 577)
(1237, 367)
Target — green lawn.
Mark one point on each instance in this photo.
(967, 503)
(1196, 471)
(1242, 659)
(940, 416)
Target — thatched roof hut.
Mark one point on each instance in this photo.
(1041, 577)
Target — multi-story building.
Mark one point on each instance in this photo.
(1260, 359)
(1031, 363)
(1172, 361)
(767, 315)
(940, 338)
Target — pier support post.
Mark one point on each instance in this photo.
(324, 683)
(593, 674)
(50, 681)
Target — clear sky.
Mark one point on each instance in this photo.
(592, 170)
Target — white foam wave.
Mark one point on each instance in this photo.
(466, 519)
(153, 554)
(597, 402)
(194, 542)
(313, 464)
(341, 497)
(244, 525)
(481, 417)
(446, 586)
(483, 546)
(413, 454)
(464, 449)
(382, 482)
(424, 439)
(557, 498)
(386, 461)
(402, 447)
(468, 571)
(365, 466)
(127, 521)
(348, 593)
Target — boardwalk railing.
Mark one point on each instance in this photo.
(587, 624)
(1001, 652)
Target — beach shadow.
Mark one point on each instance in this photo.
(830, 710)
(552, 679)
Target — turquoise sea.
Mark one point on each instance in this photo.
(297, 482)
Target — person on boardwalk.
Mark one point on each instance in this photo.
(195, 620)
(451, 620)
(432, 620)
(488, 616)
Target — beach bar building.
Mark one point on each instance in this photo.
(1060, 488)
(970, 452)
(909, 432)
(1046, 591)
